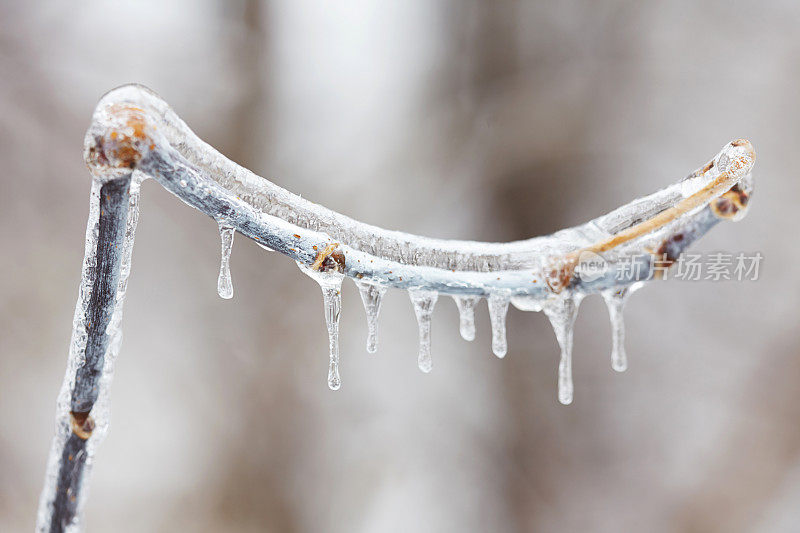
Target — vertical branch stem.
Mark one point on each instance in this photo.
(102, 272)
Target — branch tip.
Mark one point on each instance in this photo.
(120, 136)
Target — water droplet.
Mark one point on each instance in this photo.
(423, 307)
(331, 285)
(498, 307)
(562, 312)
(371, 295)
(224, 282)
(466, 315)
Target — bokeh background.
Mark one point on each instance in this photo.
(488, 120)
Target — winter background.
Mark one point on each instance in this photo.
(486, 120)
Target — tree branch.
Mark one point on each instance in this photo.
(170, 152)
(134, 135)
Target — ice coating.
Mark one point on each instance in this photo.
(562, 312)
(224, 282)
(466, 316)
(331, 284)
(498, 308)
(371, 296)
(424, 301)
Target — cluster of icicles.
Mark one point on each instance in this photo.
(561, 311)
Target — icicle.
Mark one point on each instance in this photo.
(498, 307)
(224, 282)
(615, 303)
(331, 285)
(562, 312)
(466, 315)
(372, 296)
(423, 307)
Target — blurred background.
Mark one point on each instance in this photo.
(482, 120)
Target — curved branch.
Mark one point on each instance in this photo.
(133, 128)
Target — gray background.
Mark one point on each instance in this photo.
(494, 120)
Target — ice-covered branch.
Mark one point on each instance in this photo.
(132, 127)
(82, 409)
(135, 135)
